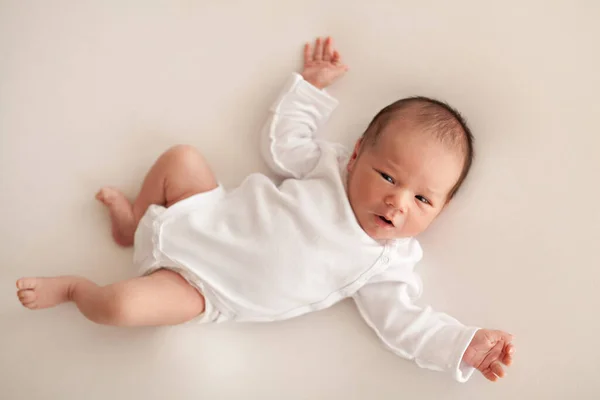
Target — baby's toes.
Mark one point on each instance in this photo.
(101, 195)
(27, 283)
(28, 298)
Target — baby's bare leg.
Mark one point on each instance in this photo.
(178, 173)
(162, 298)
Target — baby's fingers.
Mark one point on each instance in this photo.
(336, 57)
(490, 375)
(492, 355)
(318, 56)
(497, 369)
(307, 53)
(328, 52)
(494, 372)
(337, 62)
(507, 356)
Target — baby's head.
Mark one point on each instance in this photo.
(407, 166)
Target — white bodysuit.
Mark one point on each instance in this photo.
(267, 252)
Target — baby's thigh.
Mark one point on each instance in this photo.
(161, 298)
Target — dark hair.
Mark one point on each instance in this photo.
(438, 118)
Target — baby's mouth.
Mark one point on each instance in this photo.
(387, 221)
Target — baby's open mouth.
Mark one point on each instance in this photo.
(387, 221)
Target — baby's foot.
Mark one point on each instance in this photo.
(37, 293)
(121, 215)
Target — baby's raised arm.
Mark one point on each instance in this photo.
(290, 142)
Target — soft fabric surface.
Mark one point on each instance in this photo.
(91, 93)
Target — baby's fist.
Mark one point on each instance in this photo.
(324, 65)
(488, 351)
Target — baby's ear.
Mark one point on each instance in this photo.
(357, 147)
(354, 155)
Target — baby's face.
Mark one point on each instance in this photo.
(399, 185)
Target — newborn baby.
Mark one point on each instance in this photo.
(341, 224)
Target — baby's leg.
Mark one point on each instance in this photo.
(162, 298)
(178, 173)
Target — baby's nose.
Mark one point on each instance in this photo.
(398, 202)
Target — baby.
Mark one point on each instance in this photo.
(339, 225)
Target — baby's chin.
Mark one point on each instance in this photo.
(389, 235)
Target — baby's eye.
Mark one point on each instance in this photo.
(387, 177)
(422, 199)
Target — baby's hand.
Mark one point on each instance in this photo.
(323, 66)
(488, 350)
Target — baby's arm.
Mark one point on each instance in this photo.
(433, 339)
(289, 142)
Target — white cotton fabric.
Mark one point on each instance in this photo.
(267, 252)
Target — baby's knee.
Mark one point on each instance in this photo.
(187, 164)
(183, 154)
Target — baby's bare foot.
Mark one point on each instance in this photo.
(37, 293)
(121, 215)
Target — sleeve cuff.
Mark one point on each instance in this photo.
(320, 96)
(461, 371)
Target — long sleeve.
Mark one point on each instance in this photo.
(434, 340)
(288, 138)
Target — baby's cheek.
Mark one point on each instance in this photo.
(373, 193)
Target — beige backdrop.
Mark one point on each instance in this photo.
(91, 92)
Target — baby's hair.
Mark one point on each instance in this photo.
(437, 118)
